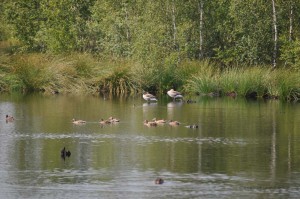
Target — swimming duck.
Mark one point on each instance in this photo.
(173, 123)
(64, 153)
(174, 94)
(159, 181)
(102, 121)
(190, 101)
(113, 120)
(162, 121)
(149, 124)
(149, 97)
(78, 121)
(194, 126)
(9, 118)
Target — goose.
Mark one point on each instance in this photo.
(174, 94)
(149, 124)
(9, 118)
(162, 121)
(102, 121)
(149, 97)
(78, 121)
(113, 120)
(159, 181)
(173, 123)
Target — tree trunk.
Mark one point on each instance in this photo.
(275, 34)
(174, 24)
(200, 8)
(291, 22)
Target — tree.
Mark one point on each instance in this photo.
(24, 15)
(65, 25)
(114, 24)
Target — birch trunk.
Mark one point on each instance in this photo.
(291, 22)
(200, 8)
(275, 34)
(174, 24)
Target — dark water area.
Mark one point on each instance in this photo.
(241, 148)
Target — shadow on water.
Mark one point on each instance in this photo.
(240, 149)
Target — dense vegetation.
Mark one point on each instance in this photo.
(248, 47)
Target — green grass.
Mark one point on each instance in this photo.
(284, 84)
(83, 73)
(249, 82)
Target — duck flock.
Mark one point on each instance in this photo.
(154, 122)
(150, 123)
(112, 120)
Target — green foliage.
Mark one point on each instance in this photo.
(290, 53)
(233, 32)
(168, 44)
(25, 17)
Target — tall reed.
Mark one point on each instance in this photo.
(203, 80)
(248, 82)
(84, 73)
(244, 81)
(283, 83)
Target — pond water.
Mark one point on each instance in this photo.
(242, 149)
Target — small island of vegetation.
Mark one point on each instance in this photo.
(237, 48)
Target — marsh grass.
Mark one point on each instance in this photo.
(84, 73)
(248, 82)
(284, 84)
(203, 79)
(251, 82)
(117, 78)
(30, 71)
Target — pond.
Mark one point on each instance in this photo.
(241, 148)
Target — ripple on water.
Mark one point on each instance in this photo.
(62, 136)
(138, 139)
(135, 183)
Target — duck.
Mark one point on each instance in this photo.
(149, 124)
(113, 120)
(9, 118)
(159, 181)
(102, 121)
(64, 153)
(161, 121)
(193, 126)
(174, 94)
(78, 121)
(190, 101)
(174, 123)
(149, 97)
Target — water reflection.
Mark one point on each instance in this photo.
(152, 104)
(241, 148)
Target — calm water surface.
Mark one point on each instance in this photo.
(242, 149)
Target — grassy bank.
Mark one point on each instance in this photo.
(83, 73)
(249, 82)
